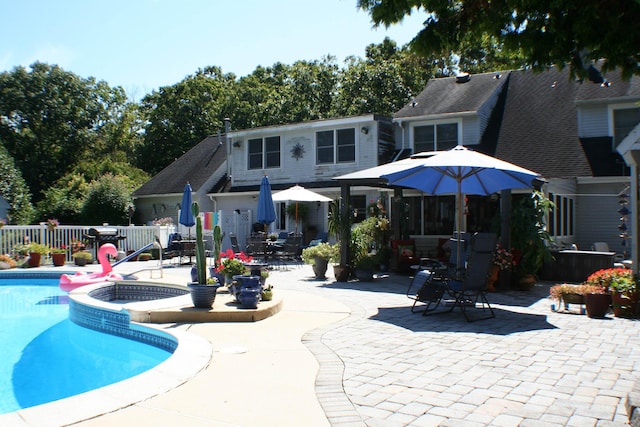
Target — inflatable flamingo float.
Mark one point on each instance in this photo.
(69, 283)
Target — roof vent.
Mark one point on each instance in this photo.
(497, 76)
(463, 78)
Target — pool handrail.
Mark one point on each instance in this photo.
(136, 253)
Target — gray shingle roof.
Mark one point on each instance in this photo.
(444, 95)
(195, 166)
(539, 124)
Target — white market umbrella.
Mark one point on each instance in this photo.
(298, 193)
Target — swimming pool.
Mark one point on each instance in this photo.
(47, 357)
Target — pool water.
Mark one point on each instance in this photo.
(46, 357)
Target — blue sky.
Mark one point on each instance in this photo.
(142, 45)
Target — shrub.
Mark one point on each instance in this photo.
(322, 250)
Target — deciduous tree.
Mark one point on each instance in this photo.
(544, 33)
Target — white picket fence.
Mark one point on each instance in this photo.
(62, 236)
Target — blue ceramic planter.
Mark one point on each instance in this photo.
(249, 297)
(203, 296)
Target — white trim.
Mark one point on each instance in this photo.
(602, 179)
(315, 124)
(434, 123)
(611, 108)
(431, 117)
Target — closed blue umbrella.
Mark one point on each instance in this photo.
(266, 210)
(186, 216)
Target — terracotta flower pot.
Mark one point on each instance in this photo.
(597, 305)
(624, 304)
(34, 259)
(493, 278)
(58, 259)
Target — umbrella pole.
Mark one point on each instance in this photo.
(459, 246)
(296, 217)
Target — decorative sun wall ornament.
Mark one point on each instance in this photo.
(297, 152)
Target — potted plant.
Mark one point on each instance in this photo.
(622, 286)
(203, 292)
(364, 267)
(82, 258)
(36, 251)
(232, 266)
(339, 226)
(58, 256)
(361, 242)
(145, 256)
(502, 261)
(7, 262)
(564, 294)
(319, 257)
(530, 238)
(267, 293)
(596, 300)
(52, 224)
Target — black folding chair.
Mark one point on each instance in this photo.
(427, 287)
(469, 292)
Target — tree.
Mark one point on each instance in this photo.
(49, 119)
(180, 116)
(384, 81)
(107, 201)
(14, 190)
(65, 199)
(562, 32)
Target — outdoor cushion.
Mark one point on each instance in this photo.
(405, 250)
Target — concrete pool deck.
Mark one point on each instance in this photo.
(352, 354)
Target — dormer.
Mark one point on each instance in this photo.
(313, 151)
(450, 111)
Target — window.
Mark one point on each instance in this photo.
(337, 146)
(264, 153)
(561, 216)
(436, 215)
(624, 120)
(443, 136)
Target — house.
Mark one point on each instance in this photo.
(225, 171)
(566, 130)
(204, 167)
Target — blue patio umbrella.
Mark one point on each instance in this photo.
(186, 215)
(266, 210)
(461, 171)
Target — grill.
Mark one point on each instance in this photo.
(98, 236)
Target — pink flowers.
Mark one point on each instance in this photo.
(502, 258)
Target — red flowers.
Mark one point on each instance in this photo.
(233, 263)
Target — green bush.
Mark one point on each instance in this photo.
(108, 201)
(323, 250)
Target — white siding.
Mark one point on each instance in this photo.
(597, 215)
(593, 121)
(470, 130)
(304, 169)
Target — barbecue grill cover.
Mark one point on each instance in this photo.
(103, 231)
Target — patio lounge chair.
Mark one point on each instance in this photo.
(235, 247)
(427, 287)
(466, 288)
(469, 292)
